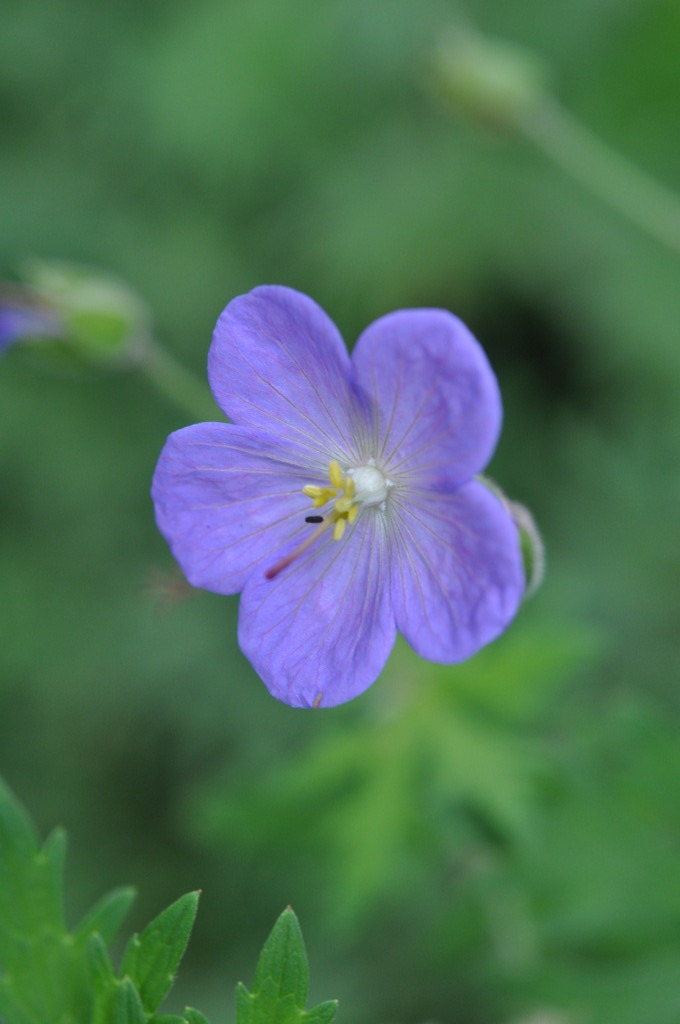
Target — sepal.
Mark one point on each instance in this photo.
(531, 543)
(530, 540)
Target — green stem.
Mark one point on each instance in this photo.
(605, 172)
(178, 384)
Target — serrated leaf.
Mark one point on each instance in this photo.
(282, 966)
(321, 1014)
(127, 1005)
(18, 837)
(18, 849)
(50, 863)
(192, 1016)
(54, 976)
(244, 1004)
(107, 915)
(281, 981)
(151, 958)
(100, 971)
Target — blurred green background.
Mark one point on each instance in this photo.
(489, 843)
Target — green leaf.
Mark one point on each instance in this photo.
(10, 1006)
(50, 861)
(244, 1004)
(45, 977)
(103, 981)
(151, 958)
(127, 1006)
(281, 981)
(18, 848)
(192, 1016)
(283, 962)
(53, 976)
(107, 915)
(17, 835)
(321, 1014)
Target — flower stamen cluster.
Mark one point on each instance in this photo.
(345, 506)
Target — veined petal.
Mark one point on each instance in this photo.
(227, 499)
(456, 571)
(438, 400)
(278, 363)
(320, 633)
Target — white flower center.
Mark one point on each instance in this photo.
(371, 486)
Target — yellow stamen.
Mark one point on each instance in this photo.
(344, 511)
(339, 528)
(335, 474)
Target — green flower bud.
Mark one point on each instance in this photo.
(102, 321)
(494, 82)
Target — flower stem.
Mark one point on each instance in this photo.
(605, 172)
(176, 383)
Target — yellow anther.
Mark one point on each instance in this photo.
(339, 528)
(319, 495)
(348, 486)
(335, 474)
(352, 514)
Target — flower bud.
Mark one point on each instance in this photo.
(75, 315)
(495, 82)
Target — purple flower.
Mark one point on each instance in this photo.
(342, 500)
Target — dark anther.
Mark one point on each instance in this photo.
(313, 519)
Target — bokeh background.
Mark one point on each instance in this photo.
(493, 842)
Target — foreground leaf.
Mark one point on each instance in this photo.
(281, 982)
(152, 958)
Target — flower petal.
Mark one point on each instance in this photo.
(228, 498)
(320, 633)
(278, 363)
(457, 576)
(438, 400)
